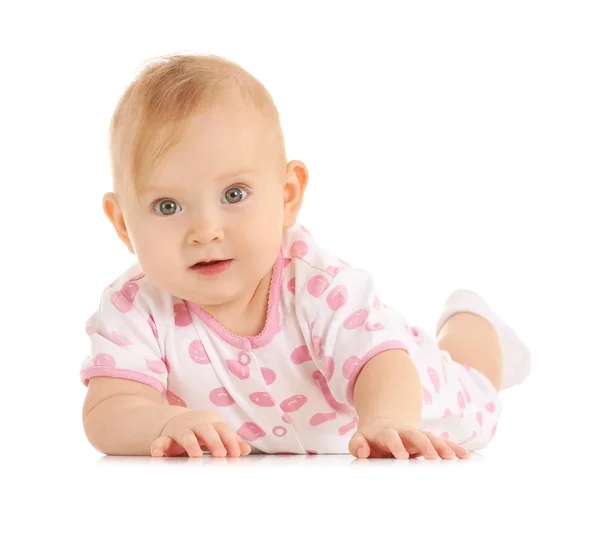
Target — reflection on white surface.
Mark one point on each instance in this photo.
(289, 460)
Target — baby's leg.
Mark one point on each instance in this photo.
(473, 341)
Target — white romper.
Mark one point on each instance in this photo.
(290, 388)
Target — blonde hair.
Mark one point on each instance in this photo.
(152, 112)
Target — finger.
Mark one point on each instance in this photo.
(461, 453)
(390, 440)
(208, 434)
(358, 446)
(443, 450)
(245, 448)
(228, 438)
(421, 442)
(188, 440)
(159, 446)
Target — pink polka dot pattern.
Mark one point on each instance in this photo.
(467, 395)
(370, 326)
(491, 407)
(198, 353)
(349, 366)
(434, 378)
(304, 230)
(427, 399)
(320, 418)
(479, 417)
(291, 286)
(347, 427)
(279, 431)
(494, 430)
(317, 285)
(182, 315)
(317, 347)
(337, 298)
(376, 303)
(473, 435)
(104, 359)
(321, 382)
(120, 302)
(173, 399)
(286, 419)
(299, 249)
(120, 340)
(156, 365)
(293, 403)
(262, 399)
(220, 397)
(356, 319)
(129, 290)
(300, 355)
(152, 325)
(332, 271)
(329, 367)
(268, 375)
(137, 277)
(461, 400)
(444, 435)
(237, 369)
(447, 412)
(90, 330)
(250, 431)
(286, 262)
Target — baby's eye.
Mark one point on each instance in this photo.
(234, 195)
(167, 207)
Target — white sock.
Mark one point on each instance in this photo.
(517, 358)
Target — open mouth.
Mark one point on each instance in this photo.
(211, 267)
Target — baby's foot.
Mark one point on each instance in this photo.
(517, 358)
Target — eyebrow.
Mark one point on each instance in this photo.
(222, 177)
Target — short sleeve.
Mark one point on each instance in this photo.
(350, 327)
(123, 343)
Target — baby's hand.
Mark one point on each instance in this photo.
(385, 438)
(193, 431)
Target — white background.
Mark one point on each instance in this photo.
(449, 144)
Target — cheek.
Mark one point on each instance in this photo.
(154, 247)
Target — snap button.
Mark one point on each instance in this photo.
(244, 358)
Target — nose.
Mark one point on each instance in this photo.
(204, 230)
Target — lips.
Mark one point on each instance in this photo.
(208, 262)
(212, 268)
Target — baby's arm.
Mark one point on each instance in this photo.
(124, 417)
(388, 397)
(389, 387)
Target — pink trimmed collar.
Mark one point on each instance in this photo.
(272, 323)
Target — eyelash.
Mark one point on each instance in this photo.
(245, 188)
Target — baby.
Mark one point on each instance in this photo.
(235, 331)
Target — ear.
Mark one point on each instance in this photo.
(115, 215)
(293, 191)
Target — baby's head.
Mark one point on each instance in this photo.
(200, 173)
